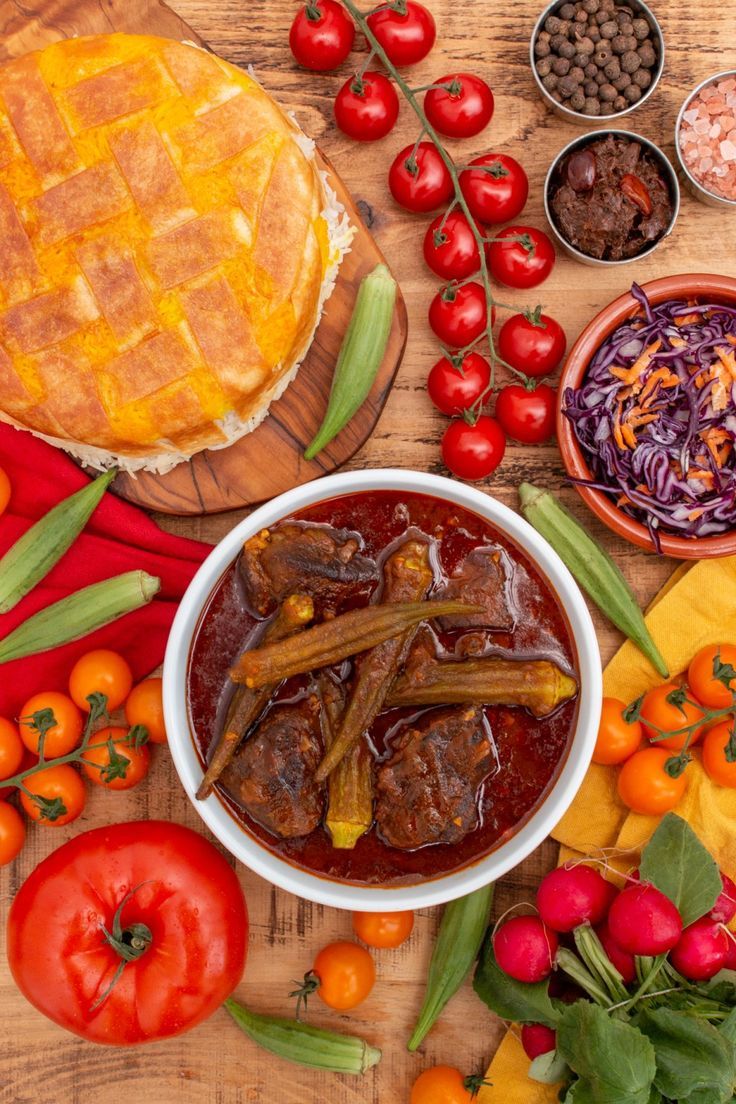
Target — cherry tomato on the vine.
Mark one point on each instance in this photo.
(58, 786)
(106, 767)
(719, 742)
(322, 35)
(645, 786)
(458, 315)
(657, 712)
(346, 974)
(473, 451)
(462, 108)
(524, 263)
(527, 414)
(419, 179)
(383, 929)
(532, 342)
(100, 672)
(11, 748)
(617, 738)
(144, 706)
(440, 1085)
(495, 187)
(66, 732)
(407, 36)
(12, 833)
(450, 247)
(454, 389)
(718, 693)
(367, 107)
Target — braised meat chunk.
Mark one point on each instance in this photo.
(481, 580)
(428, 791)
(272, 776)
(304, 559)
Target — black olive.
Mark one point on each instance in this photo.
(581, 169)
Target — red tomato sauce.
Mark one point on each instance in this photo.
(530, 751)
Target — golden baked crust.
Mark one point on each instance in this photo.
(165, 248)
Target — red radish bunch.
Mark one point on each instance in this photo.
(573, 895)
(525, 949)
(537, 1039)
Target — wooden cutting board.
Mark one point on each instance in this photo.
(269, 460)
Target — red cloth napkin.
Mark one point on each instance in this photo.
(117, 538)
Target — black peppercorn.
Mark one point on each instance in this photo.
(552, 24)
(590, 6)
(609, 29)
(590, 70)
(550, 82)
(561, 66)
(642, 78)
(602, 17)
(567, 50)
(590, 88)
(641, 29)
(647, 54)
(556, 96)
(620, 104)
(607, 93)
(613, 69)
(600, 78)
(581, 17)
(602, 55)
(567, 11)
(578, 74)
(630, 61)
(581, 60)
(541, 49)
(622, 82)
(592, 106)
(577, 100)
(594, 35)
(544, 66)
(556, 41)
(632, 92)
(567, 86)
(585, 45)
(618, 44)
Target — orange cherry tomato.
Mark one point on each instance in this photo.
(705, 686)
(617, 738)
(100, 672)
(12, 833)
(61, 786)
(145, 707)
(63, 736)
(11, 748)
(644, 785)
(106, 767)
(346, 974)
(716, 765)
(657, 711)
(440, 1085)
(5, 490)
(383, 929)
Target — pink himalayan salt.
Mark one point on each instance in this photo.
(708, 137)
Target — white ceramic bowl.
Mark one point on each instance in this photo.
(246, 847)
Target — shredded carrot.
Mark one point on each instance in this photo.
(701, 475)
(628, 435)
(677, 342)
(718, 442)
(686, 319)
(695, 514)
(728, 360)
(632, 375)
(662, 376)
(731, 338)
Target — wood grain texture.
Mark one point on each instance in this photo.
(214, 1065)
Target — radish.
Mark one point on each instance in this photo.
(621, 959)
(643, 921)
(724, 909)
(730, 963)
(525, 949)
(537, 1039)
(573, 895)
(701, 950)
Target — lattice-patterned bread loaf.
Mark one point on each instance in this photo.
(166, 244)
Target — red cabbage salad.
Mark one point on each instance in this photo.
(656, 417)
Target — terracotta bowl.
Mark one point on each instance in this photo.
(700, 285)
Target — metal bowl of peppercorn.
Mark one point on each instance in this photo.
(596, 59)
(611, 197)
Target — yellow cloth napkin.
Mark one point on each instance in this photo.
(697, 606)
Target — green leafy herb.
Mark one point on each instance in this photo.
(728, 1027)
(692, 1056)
(510, 999)
(614, 1061)
(677, 863)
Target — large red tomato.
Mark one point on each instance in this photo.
(152, 887)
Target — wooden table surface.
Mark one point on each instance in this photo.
(215, 1064)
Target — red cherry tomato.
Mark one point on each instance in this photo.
(450, 248)
(521, 264)
(458, 314)
(176, 896)
(495, 188)
(473, 451)
(322, 34)
(367, 107)
(527, 415)
(452, 389)
(533, 343)
(463, 108)
(407, 36)
(419, 180)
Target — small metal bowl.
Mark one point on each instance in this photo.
(577, 117)
(595, 136)
(692, 185)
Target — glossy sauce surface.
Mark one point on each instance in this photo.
(529, 750)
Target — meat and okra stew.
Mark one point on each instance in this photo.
(382, 687)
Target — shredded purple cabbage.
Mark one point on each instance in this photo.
(645, 445)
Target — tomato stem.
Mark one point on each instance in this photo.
(129, 943)
(305, 988)
(312, 11)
